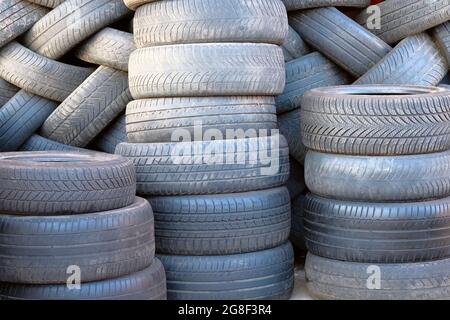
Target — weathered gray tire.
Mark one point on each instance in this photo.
(297, 236)
(109, 47)
(148, 284)
(402, 18)
(7, 91)
(292, 5)
(222, 224)
(70, 23)
(47, 3)
(266, 275)
(377, 232)
(38, 143)
(416, 60)
(334, 279)
(103, 245)
(182, 21)
(190, 168)
(134, 4)
(213, 69)
(442, 36)
(114, 134)
(296, 182)
(89, 109)
(397, 178)
(20, 117)
(166, 119)
(376, 120)
(339, 38)
(293, 46)
(39, 75)
(16, 17)
(306, 73)
(289, 124)
(52, 183)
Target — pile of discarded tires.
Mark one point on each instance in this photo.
(221, 224)
(72, 228)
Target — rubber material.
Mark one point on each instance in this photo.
(38, 143)
(293, 46)
(296, 182)
(7, 91)
(292, 5)
(47, 3)
(265, 275)
(114, 134)
(134, 4)
(442, 37)
(289, 124)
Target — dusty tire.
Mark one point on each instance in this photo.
(214, 69)
(340, 39)
(222, 224)
(377, 232)
(334, 279)
(38, 143)
(148, 284)
(402, 18)
(114, 134)
(157, 120)
(182, 21)
(89, 109)
(104, 245)
(20, 117)
(7, 91)
(306, 73)
(16, 17)
(47, 3)
(292, 5)
(134, 4)
(39, 75)
(51, 183)
(265, 275)
(70, 23)
(109, 47)
(289, 124)
(396, 178)
(175, 169)
(442, 36)
(293, 46)
(376, 120)
(416, 60)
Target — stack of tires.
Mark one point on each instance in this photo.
(72, 228)
(203, 69)
(377, 220)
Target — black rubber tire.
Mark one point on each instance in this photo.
(148, 284)
(377, 232)
(442, 36)
(89, 109)
(70, 23)
(222, 224)
(296, 183)
(376, 120)
(38, 143)
(109, 47)
(47, 3)
(334, 279)
(39, 75)
(380, 179)
(292, 5)
(339, 38)
(212, 69)
(114, 134)
(16, 17)
(20, 117)
(7, 91)
(416, 60)
(297, 236)
(51, 183)
(265, 275)
(134, 4)
(156, 120)
(289, 124)
(402, 18)
(182, 21)
(172, 169)
(306, 73)
(103, 245)
(293, 46)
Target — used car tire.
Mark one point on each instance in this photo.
(213, 69)
(134, 4)
(376, 120)
(266, 275)
(442, 36)
(114, 134)
(47, 3)
(39, 143)
(222, 224)
(52, 183)
(289, 124)
(293, 46)
(296, 182)
(292, 5)
(7, 91)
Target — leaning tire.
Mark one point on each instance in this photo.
(266, 275)
(289, 124)
(292, 5)
(38, 143)
(148, 284)
(442, 37)
(51, 183)
(114, 134)
(7, 91)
